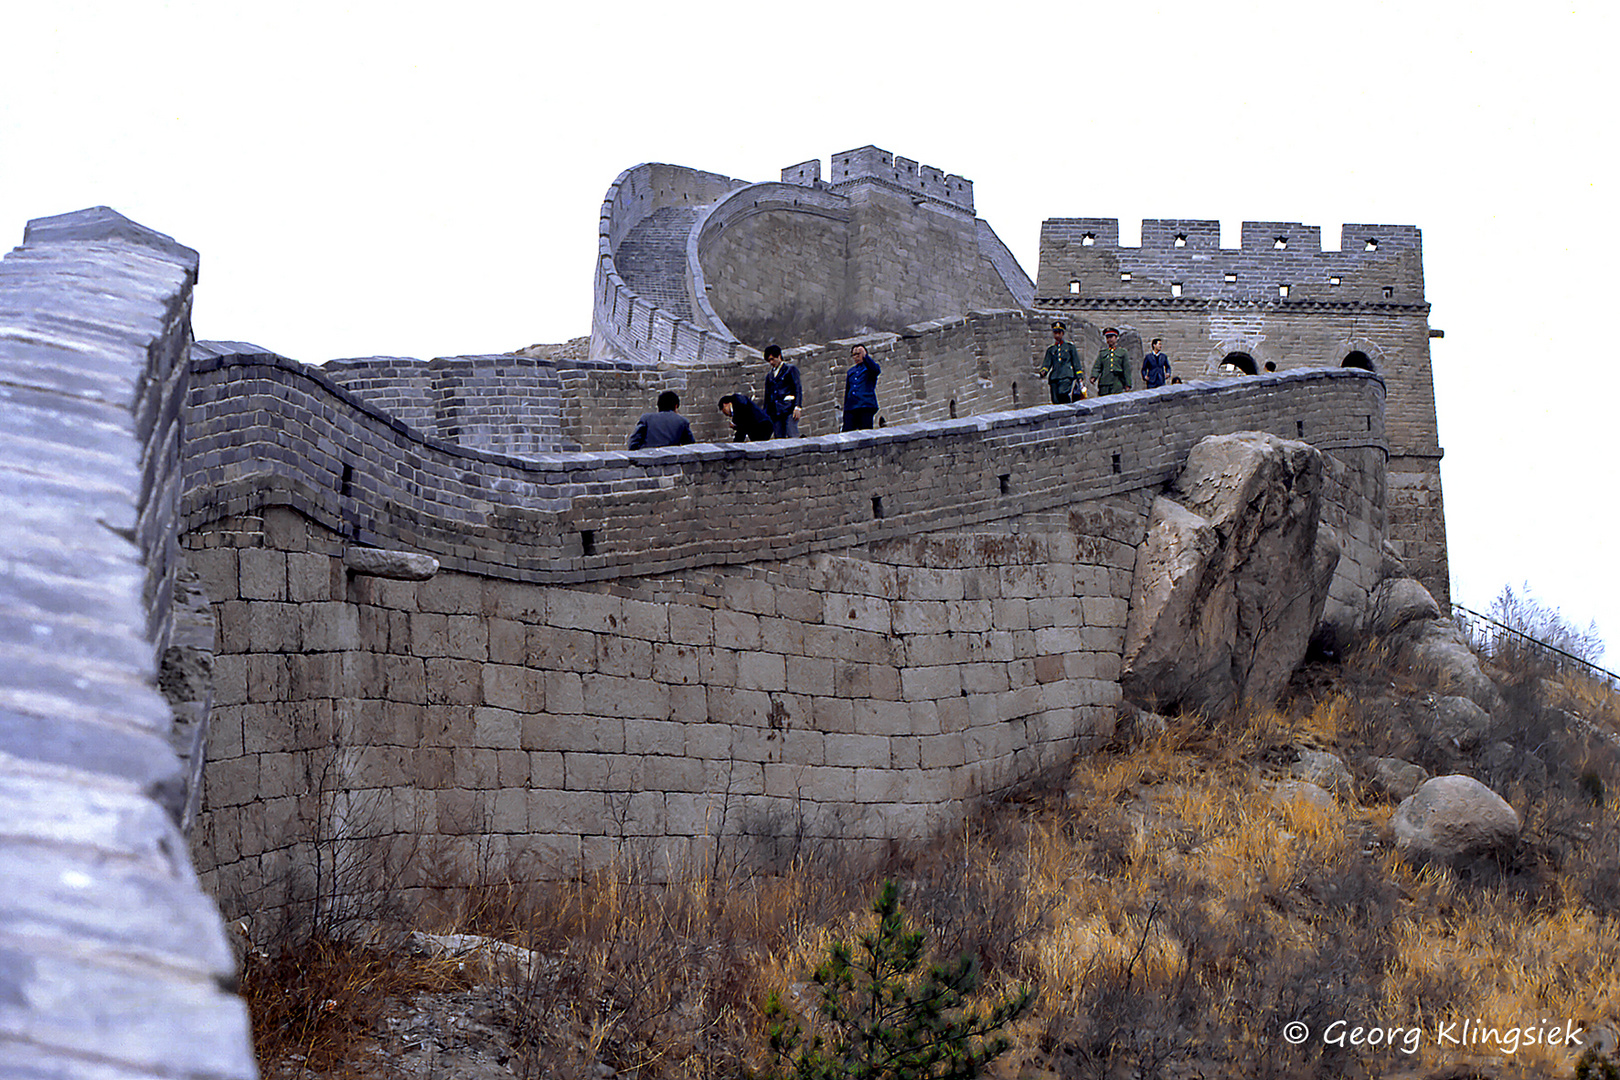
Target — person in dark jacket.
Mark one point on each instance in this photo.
(666, 427)
(784, 395)
(747, 419)
(1155, 366)
(860, 390)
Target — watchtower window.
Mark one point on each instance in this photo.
(1280, 244)
(1125, 275)
(1358, 359)
(1389, 293)
(1282, 292)
(1181, 240)
(1231, 278)
(1334, 281)
(1175, 288)
(1074, 288)
(1240, 361)
(1088, 239)
(1372, 244)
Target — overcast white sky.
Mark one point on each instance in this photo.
(424, 179)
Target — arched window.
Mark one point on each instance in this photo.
(1360, 360)
(1240, 361)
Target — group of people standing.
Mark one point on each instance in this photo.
(778, 416)
(1110, 374)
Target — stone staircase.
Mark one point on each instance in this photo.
(652, 258)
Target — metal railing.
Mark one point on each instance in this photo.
(1494, 639)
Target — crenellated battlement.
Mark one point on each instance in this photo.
(869, 164)
(1275, 261)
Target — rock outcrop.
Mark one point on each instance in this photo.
(1453, 817)
(1232, 578)
(1406, 616)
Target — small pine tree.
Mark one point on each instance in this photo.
(889, 1022)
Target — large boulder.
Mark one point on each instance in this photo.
(1231, 579)
(1452, 817)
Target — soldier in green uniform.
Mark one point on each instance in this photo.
(1112, 371)
(1062, 368)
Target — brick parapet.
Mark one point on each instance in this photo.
(116, 960)
(870, 165)
(267, 431)
(1375, 263)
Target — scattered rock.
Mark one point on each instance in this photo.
(1325, 771)
(1396, 778)
(1398, 601)
(1453, 816)
(1230, 581)
(1135, 725)
(1458, 721)
(1301, 790)
(488, 958)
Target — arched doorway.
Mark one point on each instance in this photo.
(1359, 359)
(1239, 361)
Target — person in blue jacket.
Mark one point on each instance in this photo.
(1155, 366)
(860, 390)
(784, 395)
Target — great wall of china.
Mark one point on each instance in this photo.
(839, 639)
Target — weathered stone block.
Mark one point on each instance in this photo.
(453, 682)
(858, 612)
(497, 729)
(263, 574)
(761, 671)
(549, 731)
(691, 625)
(551, 648)
(576, 610)
(451, 594)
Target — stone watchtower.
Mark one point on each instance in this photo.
(1277, 299)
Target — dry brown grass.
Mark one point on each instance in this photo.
(1171, 911)
(317, 1005)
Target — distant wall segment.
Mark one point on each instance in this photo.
(628, 325)
(1277, 298)
(886, 244)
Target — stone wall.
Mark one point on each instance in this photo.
(777, 259)
(640, 655)
(113, 962)
(985, 361)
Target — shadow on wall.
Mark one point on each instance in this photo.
(794, 325)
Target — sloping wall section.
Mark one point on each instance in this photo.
(113, 962)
